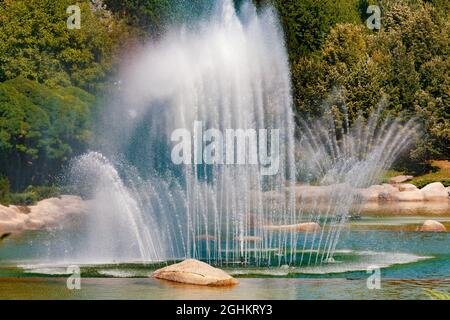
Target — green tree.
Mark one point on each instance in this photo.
(407, 62)
(40, 129)
(306, 23)
(155, 16)
(35, 43)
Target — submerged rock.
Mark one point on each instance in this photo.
(192, 271)
(300, 227)
(206, 237)
(432, 225)
(248, 238)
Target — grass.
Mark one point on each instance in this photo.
(440, 173)
(33, 194)
(437, 295)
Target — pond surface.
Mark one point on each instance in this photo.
(409, 261)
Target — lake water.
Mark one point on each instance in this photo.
(409, 261)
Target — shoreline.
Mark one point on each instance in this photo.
(377, 200)
(44, 214)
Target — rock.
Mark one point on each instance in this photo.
(307, 193)
(248, 239)
(404, 192)
(383, 192)
(416, 195)
(388, 193)
(34, 224)
(400, 179)
(11, 226)
(45, 213)
(433, 226)
(370, 194)
(434, 192)
(192, 271)
(407, 187)
(389, 188)
(300, 227)
(386, 196)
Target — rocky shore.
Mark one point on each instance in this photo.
(435, 191)
(45, 214)
(387, 199)
(392, 198)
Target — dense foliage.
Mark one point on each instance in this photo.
(404, 66)
(40, 129)
(307, 22)
(51, 77)
(36, 43)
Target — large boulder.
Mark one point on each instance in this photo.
(415, 195)
(385, 192)
(299, 227)
(433, 226)
(388, 193)
(434, 192)
(192, 271)
(371, 193)
(400, 179)
(308, 193)
(11, 219)
(404, 192)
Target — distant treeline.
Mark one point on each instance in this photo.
(51, 78)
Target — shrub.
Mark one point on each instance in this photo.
(4, 191)
(33, 194)
(24, 198)
(43, 192)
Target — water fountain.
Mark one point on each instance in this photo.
(229, 71)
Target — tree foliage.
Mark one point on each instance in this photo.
(47, 70)
(406, 63)
(155, 16)
(40, 129)
(306, 23)
(35, 43)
